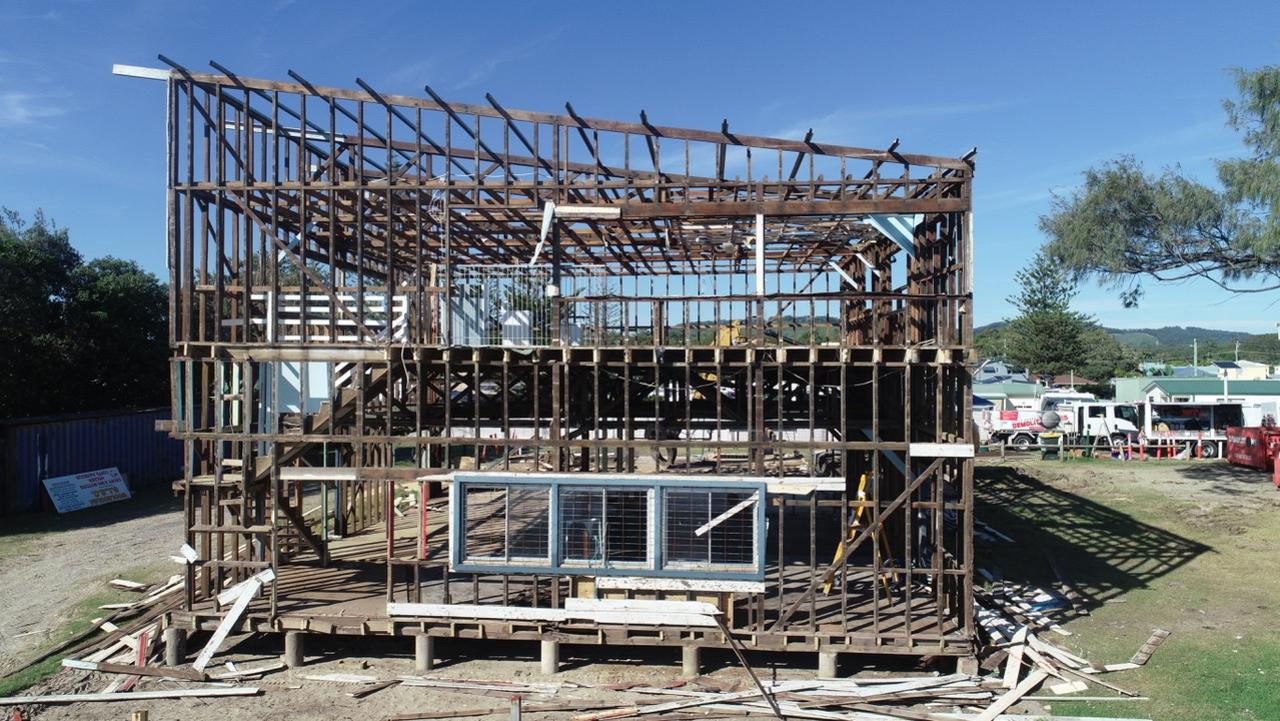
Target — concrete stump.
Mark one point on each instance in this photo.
(175, 646)
(828, 664)
(424, 653)
(690, 661)
(293, 648)
(550, 656)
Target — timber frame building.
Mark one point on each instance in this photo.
(445, 368)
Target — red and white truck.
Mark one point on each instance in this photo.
(1070, 413)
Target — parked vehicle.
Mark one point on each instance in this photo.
(1069, 413)
(1200, 428)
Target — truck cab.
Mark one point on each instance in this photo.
(1118, 422)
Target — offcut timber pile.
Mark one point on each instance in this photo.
(125, 646)
(1020, 661)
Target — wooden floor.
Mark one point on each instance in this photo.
(349, 596)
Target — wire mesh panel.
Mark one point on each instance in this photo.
(508, 305)
(506, 523)
(712, 529)
(605, 526)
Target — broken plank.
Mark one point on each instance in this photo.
(228, 622)
(340, 677)
(1032, 680)
(234, 672)
(1068, 687)
(1094, 679)
(1143, 654)
(370, 689)
(104, 667)
(231, 594)
(1014, 666)
(1128, 666)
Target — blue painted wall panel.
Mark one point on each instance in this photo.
(35, 449)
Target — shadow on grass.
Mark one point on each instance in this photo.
(1102, 552)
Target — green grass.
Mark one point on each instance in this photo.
(79, 618)
(1153, 550)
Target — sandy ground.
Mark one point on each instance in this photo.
(67, 566)
(48, 575)
(289, 695)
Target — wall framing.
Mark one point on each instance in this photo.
(766, 320)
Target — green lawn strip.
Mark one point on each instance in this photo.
(1194, 679)
(78, 618)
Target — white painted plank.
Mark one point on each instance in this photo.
(138, 71)
(341, 678)
(941, 450)
(234, 672)
(132, 696)
(1022, 689)
(704, 528)
(228, 622)
(231, 594)
(655, 606)
(1013, 667)
(1068, 687)
(546, 615)
(588, 211)
(637, 583)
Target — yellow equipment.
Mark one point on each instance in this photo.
(854, 526)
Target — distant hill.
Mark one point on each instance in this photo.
(1173, 336)
(1152, 338)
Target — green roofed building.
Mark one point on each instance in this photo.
(1208, 390)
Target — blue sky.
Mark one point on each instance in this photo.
(1044, 90)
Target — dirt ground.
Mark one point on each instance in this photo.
(1182, 546)
(51, 563)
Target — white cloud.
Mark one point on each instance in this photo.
(839, 125)
(17, 108)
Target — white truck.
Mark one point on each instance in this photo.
(1070, 413)
(1199, 427)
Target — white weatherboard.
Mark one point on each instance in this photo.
(84, 490)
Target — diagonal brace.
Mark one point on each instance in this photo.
(871, 528)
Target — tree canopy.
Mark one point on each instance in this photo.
(81, 336)
(1125, 223)
(1048, 337)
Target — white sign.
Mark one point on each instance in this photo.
(83, 490)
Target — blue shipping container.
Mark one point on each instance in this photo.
(38, 448)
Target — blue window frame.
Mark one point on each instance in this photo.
(607, 525)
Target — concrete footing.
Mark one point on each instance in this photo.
(175, 647)
(424, 653)
(550, 656)
(690, 661)
(828, 664)
(293, 648)
(967, 664)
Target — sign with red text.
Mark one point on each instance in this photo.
(85, 490)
